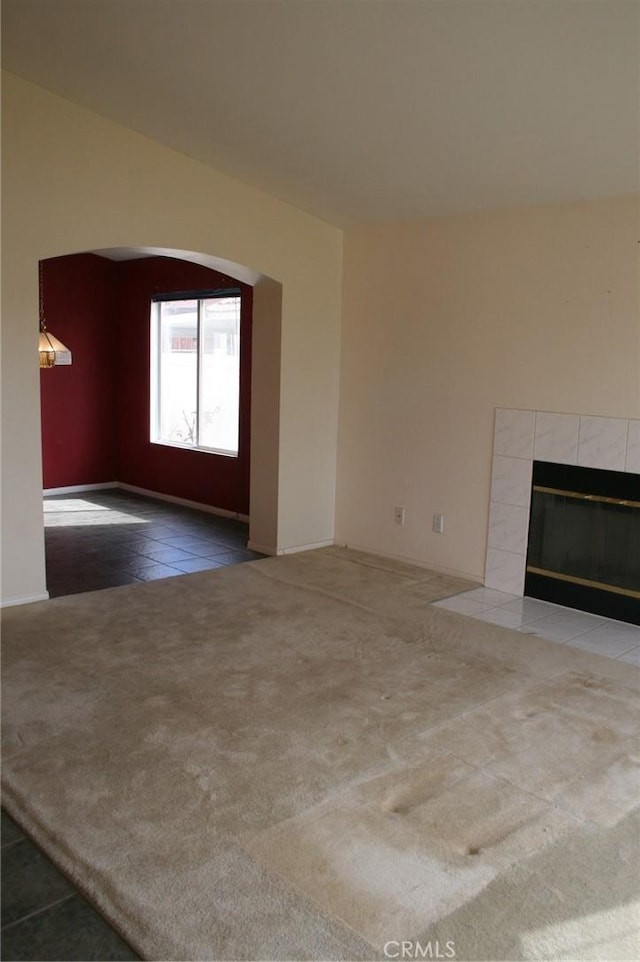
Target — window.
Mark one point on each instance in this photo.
(195, 372)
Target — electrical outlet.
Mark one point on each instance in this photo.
(438, 523)
(398, 515)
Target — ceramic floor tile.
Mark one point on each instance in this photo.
(533, 616)
(616, 631)
(564, 625)
(489, 596)
(134, 565)
(71, 930)
(10, 831)
(166, 554)
(631, 657)
(500, 616)
(462, 605)
(197, 564)
(133, 538)
(201, 545)
(72, 562)
(560, 633)
(195, 529)
(159, 531)
(532, 608)
(115, 553)
(607, 641)
(156, 571)
(569, 618)
(29, 881)
(139, 545)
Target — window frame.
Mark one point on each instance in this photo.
(155, 381)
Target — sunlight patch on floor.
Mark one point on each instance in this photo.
(567, 939)
(77, 511)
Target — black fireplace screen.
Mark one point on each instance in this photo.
(584, 540)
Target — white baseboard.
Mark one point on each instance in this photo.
(77, 488)
(28, 600)
(221, 512)
(306, 547)
(272, 552)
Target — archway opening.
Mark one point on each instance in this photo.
(96, 415)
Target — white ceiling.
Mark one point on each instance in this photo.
(359, 111)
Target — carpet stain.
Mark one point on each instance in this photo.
(421, 849)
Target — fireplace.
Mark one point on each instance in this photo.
(584, 540)
(602, 444)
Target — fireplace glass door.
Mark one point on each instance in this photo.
(584, 540)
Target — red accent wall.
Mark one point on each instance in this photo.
(95, 414)
(79, 444)
(207, 478)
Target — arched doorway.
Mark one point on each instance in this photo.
(96, 415)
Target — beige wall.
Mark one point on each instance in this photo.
(73, 181)
(443, 321)
(446, 320)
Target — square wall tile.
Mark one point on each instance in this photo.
(508, 527)
(514, 431)
(511, 481)
(556, 437)
(520, 437)
(602, 443)
(505, 571)
(633, 448)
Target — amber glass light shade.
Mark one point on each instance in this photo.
(52, 351)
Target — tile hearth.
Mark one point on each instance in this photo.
(602, 636)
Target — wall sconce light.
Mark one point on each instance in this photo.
(50, 350)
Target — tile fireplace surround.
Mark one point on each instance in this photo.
(524, 436)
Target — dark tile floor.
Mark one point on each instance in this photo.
(94, 540)
(43, 917)
(100, 539)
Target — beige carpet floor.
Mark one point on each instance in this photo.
(300, 758)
